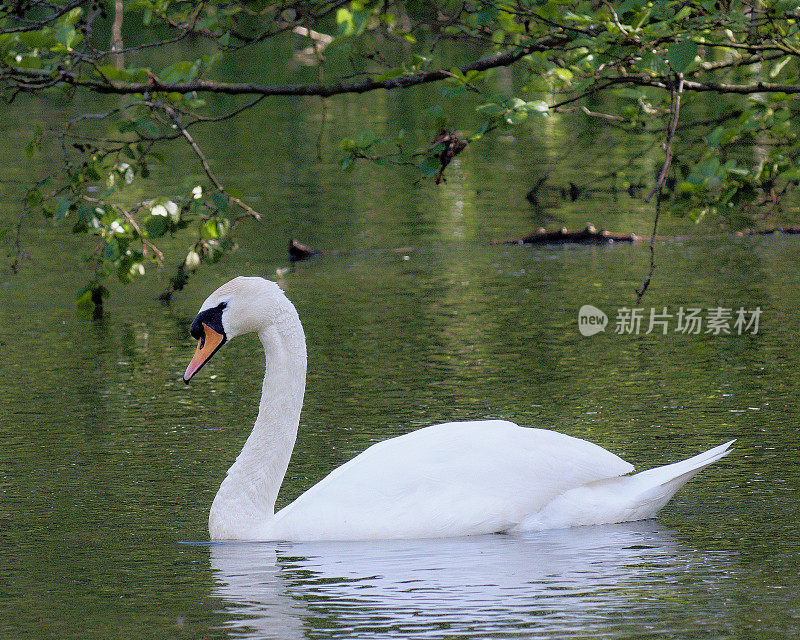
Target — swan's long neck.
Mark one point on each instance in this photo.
(246, 498)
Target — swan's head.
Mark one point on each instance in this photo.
(242, 305)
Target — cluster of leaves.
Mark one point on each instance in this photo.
(744, 155)
(108, 157)
(98, 201)
(44, 48)
(631, 58)
(95, 196)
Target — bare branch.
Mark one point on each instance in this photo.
(116, 36)
(592, 114)
(673, 125)
(225, 116)
(203, 161)
(677, 91)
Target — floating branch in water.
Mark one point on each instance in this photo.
(588, 235)
(299, 251)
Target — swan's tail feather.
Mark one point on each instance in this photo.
(622, 499)
(650, 490)
(691, 466)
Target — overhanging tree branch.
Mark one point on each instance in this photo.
(35, 80)
(503, 59)
(38, 24)
(562, 53)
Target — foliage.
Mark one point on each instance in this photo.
(640, 56)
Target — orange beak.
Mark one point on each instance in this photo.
(206, 347)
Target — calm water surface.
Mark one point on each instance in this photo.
(108, 463)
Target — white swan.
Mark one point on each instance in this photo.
(452, 479)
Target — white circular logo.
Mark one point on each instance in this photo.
(591, 320)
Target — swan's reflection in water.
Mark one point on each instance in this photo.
(612, 579)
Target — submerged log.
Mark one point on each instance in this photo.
(588, 235)
(768, 232)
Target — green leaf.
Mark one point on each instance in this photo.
(539, 106)
(479, 133)
(681, 55)
(156, 226)
(125, 126)
(213, 252)
(139, 5)
(779, 67)
(90, 292)
(491, 109)
(86, 219)
(42, 39)
(67, 37)
(93, 171)
(391, 73)
(209, 230)
(366, 139)
(458, 74)
(28, 62)
(131, 74)
(182, 71)
(564, 74)
(485, 16)
(71, 17)
(632, 94)
(192, 101)
(33, 198)
(111, 250)
(110, 72)
(214, 229)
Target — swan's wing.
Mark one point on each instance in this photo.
(449, 479)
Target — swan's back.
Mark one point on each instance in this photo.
(458, 478)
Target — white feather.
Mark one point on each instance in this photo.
(622, 499)
(453, 479)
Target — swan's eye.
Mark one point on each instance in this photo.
(212, 317)
(196, 331)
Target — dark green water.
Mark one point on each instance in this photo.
(108, 463)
